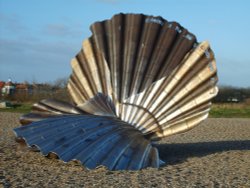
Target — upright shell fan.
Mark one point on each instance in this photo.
(137, 79)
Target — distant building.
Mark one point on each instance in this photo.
(1, 86)
(233, 99)
(23, 88)
(9, 88)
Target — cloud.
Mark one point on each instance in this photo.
(26, 46)
(12, 27)
(44, 61)
(109, 1)
(57, 30)
(62, 30)
(11, 24)
(42, 52)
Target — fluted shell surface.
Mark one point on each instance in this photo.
(160, 79)
(137, 79)
(92, 140)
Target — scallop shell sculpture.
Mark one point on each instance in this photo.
(137, 79)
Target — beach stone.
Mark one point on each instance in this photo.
(214, 154)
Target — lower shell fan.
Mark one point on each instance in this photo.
(93, 140)
(137, 79)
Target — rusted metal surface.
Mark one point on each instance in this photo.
(135, 71)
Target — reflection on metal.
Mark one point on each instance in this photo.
(93, 140)
(137, 79)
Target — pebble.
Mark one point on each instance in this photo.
(214, 154)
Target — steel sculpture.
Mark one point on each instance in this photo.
(137, 79)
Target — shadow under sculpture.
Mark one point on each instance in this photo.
(137, 79)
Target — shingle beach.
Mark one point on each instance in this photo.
(214, 154)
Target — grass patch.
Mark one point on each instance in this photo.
(18, 108)
(217, 110)
(230, 111)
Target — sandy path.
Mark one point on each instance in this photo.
(214, 154)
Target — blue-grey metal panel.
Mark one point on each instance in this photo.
(93, 140)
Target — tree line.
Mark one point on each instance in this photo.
(39, 91)
(230, 94)
(58, 90)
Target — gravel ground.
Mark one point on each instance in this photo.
(214, 154)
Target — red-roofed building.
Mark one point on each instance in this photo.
(22, 88)
(1, 85)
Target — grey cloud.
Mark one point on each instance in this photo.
(57, 30)
(29, 54)
(62, 30)
(11, 23)
(44, 61)
(26, 55)
(8, 46)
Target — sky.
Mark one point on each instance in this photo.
(39, 38)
